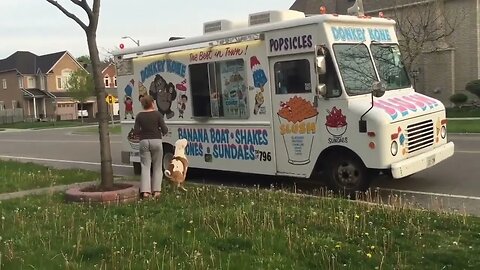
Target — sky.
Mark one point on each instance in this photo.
(39, 27)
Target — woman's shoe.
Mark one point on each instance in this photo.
(156, 194)
(145, 195)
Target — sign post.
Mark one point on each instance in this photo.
(110, 100)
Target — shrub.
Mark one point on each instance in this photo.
(473, 87)
(458, 99)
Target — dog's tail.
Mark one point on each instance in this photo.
(167, 174)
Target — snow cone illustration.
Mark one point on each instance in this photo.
(127, 100)
(298, 120)
(259, 81)
(336, 122)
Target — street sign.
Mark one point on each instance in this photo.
(110, 99)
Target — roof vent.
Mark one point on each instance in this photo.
(221, 25)
(274, 16)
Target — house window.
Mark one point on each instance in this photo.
(30, 82)
(59, 83)
(106, 79)
(292, 77)
(20, 82)
(219, 89)
(42, 83)
(4, 83)
(114, 81)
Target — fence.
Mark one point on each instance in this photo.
(8, 116)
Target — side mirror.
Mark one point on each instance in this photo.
(321, 65)
(378, 89)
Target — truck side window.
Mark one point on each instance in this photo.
(200, 90)
(330, 78)
(219, 89)
(292, 77)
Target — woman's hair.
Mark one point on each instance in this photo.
(147, 102)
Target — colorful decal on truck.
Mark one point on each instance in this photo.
(259, 81)
(163, 92)
(357, 34)
(336, 124)
(226, 143)
(298, 125)
(401, 106)
(401, 140)
(127, 99)
(218, 53)
(182, 98)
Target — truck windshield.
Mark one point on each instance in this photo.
(356, 68)
(390, 67)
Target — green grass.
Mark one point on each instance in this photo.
(15, 176)
(224, 228)
(42, 125)
(463, 112)
(463, 126)
(114, 129)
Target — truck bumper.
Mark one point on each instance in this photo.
(423, 161)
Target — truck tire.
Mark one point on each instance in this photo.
(346, 174)
(167, 156)
(137, 168)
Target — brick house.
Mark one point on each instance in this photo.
(37, 84)
(442, 72)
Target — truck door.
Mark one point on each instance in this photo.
(294, 113)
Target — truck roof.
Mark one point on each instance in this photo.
(175, 45)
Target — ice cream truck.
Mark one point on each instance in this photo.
(324, 97)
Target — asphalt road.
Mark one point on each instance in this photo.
(452, 184)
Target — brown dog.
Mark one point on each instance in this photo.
(177, 169)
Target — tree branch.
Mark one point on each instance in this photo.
(68, 14)
(84, 5)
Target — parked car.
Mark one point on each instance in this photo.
(82, 113)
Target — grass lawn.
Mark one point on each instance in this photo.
(42, 125)
(114, 129)
(224, 228)
(463, 112)
(463, 126)
(15, 176)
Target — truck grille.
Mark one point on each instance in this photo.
(419, 136)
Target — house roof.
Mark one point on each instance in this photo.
(29, 63)
(36, 93)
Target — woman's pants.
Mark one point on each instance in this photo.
(151, 154)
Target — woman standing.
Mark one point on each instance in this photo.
(150, 126)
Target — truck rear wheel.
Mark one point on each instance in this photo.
(167, 155)
(346, 174)
(137, 168)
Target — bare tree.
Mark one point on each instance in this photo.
(91, 33)
(423, 26)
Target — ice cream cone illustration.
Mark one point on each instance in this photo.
(259, 81)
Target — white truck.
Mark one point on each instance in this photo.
(288, 94)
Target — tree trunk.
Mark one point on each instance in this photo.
(102, 117)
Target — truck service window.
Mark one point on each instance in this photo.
(219, 89)
(390, 66)
(292, 77)
(356, 68)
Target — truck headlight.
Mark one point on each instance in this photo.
(394, 148)
(443, 132)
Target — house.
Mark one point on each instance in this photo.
(444, 70)
(37, 85)
(109, 74)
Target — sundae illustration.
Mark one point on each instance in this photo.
(127, 100)
(259, 81)
(336, 122)
(298, 119)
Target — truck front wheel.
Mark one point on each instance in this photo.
(346, 174)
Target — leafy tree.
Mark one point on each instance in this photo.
(80, 86)
(458, 99)
(90, 29)
(473, 87)
(84, 59)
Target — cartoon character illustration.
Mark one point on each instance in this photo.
(142, 90)
(128, 106)
(127, 100)
(259, 80)
(181, 105)
(163, 93)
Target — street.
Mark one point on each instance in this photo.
(451, 184)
